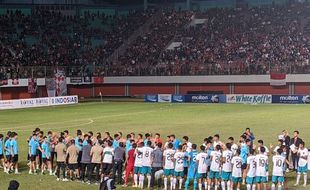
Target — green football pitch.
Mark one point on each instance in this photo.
(194, 120)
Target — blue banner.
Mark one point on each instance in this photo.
(205, 98)
(291, 99)
(151, 98)
(178, 98)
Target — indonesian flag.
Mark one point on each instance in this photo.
(277, 79)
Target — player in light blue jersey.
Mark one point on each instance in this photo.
(192, 167)
(244, 149)
(86, 137)
(46, 155)
(129, 143)
(14, 152)
(1, 151)
(8, 154)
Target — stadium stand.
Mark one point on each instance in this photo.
(219, 41)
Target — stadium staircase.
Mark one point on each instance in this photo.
(145, 28)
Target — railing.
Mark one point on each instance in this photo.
(112, 70)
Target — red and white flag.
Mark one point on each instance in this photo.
(61, 83)
(277, 79)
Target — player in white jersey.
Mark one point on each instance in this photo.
(278, 170)
(107, 162)
(138, 163)
(236, 170)
(251, 171)
(261, 144)
(187, 143)
(226, 166)
(234, 146)
(168, 164)
(146, 164)
(202, 167)
(302, 163)
(275, 149)
(214, 174)
(261, 169)
(216, 140)
(179, 159)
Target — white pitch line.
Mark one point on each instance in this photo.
(90, 121)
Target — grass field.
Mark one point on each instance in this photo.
(195, 120)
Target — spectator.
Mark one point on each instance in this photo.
(14, 185)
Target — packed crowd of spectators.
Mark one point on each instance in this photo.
(142, 56)
(51, 39)
(229, 41)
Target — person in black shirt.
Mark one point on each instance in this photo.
(296, 141)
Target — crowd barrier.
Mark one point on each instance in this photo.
(38, 102)
(229, 98)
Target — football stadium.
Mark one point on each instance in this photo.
(154, 94)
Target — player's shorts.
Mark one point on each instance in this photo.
(178, 174)
(214, 175)
(1, 156)
(33, 158)
(168, 172)
(201, 175)
(185, 171)
(261, 179)
(250, 180)
(73, 166)
(303, 169)
(44, 160)
(137, 170)
(107, 168)
(244, 166)
(39, 153)
(277, 179)
(146, 170)
(226, 176)
(15, 158)
(8, 158)
(236, 179)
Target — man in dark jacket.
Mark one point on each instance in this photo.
(86, 160)
(119, 159)
(157, 164)
(296, 141)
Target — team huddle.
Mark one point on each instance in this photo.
(173, 164)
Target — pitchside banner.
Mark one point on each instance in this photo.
(164, 98)
(291, 99)
(178, 98)
(205, 98)
(249, 98)
(38, 102)
(151, 98)
(194, 98)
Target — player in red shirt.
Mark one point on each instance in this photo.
(157, 139)
(129, 164)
